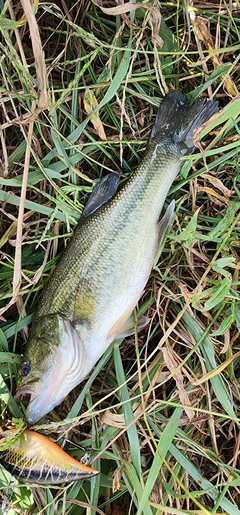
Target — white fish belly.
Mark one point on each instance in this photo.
(119, 294)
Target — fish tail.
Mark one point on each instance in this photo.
(177, 120)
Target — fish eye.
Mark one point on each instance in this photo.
(25, 367)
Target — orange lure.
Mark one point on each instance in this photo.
(35, 458)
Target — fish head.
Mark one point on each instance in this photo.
(52, 366)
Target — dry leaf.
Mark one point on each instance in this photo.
(178, 377)
(217, 370)
(218, 184)
(38, 56)
(117, 478)
(130, 6)
(91, 104)
(213, 193)
(113, 419)
(202, 34)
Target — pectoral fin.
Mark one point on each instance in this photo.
(103, 192)
(165, 221)
(129, 326)
(126, 326)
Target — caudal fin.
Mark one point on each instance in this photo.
(177, 120)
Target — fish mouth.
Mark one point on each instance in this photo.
(33, 414)
(23, 396)
(40, 399)
(30, 393)
(25, 391)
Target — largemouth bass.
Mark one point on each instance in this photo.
(90, 297)
(35, 458)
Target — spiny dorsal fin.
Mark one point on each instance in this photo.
(103, 192)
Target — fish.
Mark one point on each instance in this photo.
(89, 300)
(34, 458)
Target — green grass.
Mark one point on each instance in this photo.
(160, 411)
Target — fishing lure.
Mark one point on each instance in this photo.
(34, 458)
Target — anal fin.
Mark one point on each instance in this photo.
(165, 221)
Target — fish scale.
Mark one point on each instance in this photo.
(103, 271)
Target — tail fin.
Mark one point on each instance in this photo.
(177, 120)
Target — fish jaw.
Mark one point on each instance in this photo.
(43, 395)
(57, 363)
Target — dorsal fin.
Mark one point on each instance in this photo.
(103, 192)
